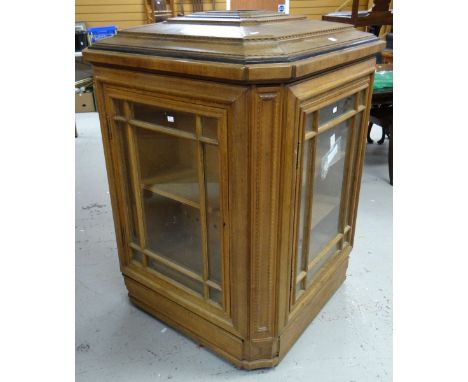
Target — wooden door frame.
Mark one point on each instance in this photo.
(229, 101)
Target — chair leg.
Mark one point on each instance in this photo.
(369, 128)
(382, 139)
(390, 154)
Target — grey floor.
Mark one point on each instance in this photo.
(350, 340)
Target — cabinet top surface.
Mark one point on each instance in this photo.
(235, 37)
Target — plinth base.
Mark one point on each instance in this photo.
(225, 344)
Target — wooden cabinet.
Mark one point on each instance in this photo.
(234, 145)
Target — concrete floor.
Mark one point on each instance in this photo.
(350, 339)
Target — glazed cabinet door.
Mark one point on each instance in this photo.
(330, 136)
(168, 159)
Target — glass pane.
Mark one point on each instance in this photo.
(209, 127)
(216, 296)
(137, 256)
(170, 172)
(168, 165)
(362, 98)
(173, 230)
(299, 289)
(336, 109)
(213, 211)
(303, 206)
(130, 203)
(313, 272)
(162, 117)
(328, 181)
(176, 276)
(309, 123)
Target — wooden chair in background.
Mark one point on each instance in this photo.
(157, 11)
(379, 14)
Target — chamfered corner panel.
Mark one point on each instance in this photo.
(234, 157)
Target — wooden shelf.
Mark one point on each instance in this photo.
(181, 184)
(177, 183)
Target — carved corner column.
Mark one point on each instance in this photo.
(265, 174)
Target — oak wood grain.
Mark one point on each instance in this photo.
(269, 289)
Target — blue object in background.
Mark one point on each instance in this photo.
(98, 33)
